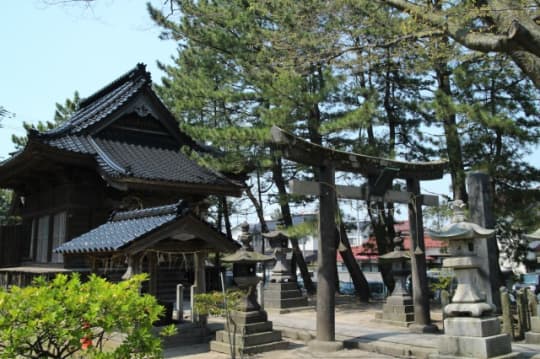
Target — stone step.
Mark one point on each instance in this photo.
(252, 327)
(250, 339)
(225, 348)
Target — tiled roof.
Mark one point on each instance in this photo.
(122, 229)
(120, 159)
(104, 102)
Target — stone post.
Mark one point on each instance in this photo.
(179, 302)
(506, 312)
(199, 285)
(532, 303)
(445, 300)
(192, 291)
(481, 213)
(522, 313)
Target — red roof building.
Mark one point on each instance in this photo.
(367, 254)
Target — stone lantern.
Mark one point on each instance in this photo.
(471, 331)
(282, 291)
(398, 309)
(248, 327)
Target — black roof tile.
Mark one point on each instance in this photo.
(118, 159)
(101, 104)
(122, 229)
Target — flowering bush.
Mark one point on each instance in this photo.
(68, 317)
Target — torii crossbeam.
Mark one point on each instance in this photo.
(328, 161)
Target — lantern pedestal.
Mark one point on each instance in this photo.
(399, 308)
(248, 330)
(282, 291)
(469, 337)
(470, 330)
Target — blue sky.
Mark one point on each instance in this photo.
(49, 51)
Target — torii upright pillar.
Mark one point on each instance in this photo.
(326, 258)
(422, 318)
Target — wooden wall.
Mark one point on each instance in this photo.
(11, 245)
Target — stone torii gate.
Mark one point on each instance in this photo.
(380, 172)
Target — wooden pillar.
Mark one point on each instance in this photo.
(481, 213)
(418, 260)
(326, 256)
(200, 272)
(153, 273)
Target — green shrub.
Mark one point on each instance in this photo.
(67, 317)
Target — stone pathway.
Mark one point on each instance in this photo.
(297, 350)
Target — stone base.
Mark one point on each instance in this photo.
(475, 347)
(323, 346)
(187, 333)
(226, 349)
(283, 295)
(398, 310)
(250, 333)
(469, 337)
(533, 337)
(472, 327)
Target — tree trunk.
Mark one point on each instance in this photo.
(383, 243)
(277, 172)
(360, 283)
(226, 218)
(453, 143)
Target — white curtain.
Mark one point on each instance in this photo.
(59, 235)
(42, 239)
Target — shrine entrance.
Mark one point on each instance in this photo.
(380, 173)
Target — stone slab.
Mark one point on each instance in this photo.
(251, 328)
(532, 338)
(535, 324)
(323, 346)
(226, 349)
(249, 339)
(472, 327)
(475, 347)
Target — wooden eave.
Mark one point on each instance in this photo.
(36, 157)
(185, 188)
(207, 238)
(302, 151)
(165, 117)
